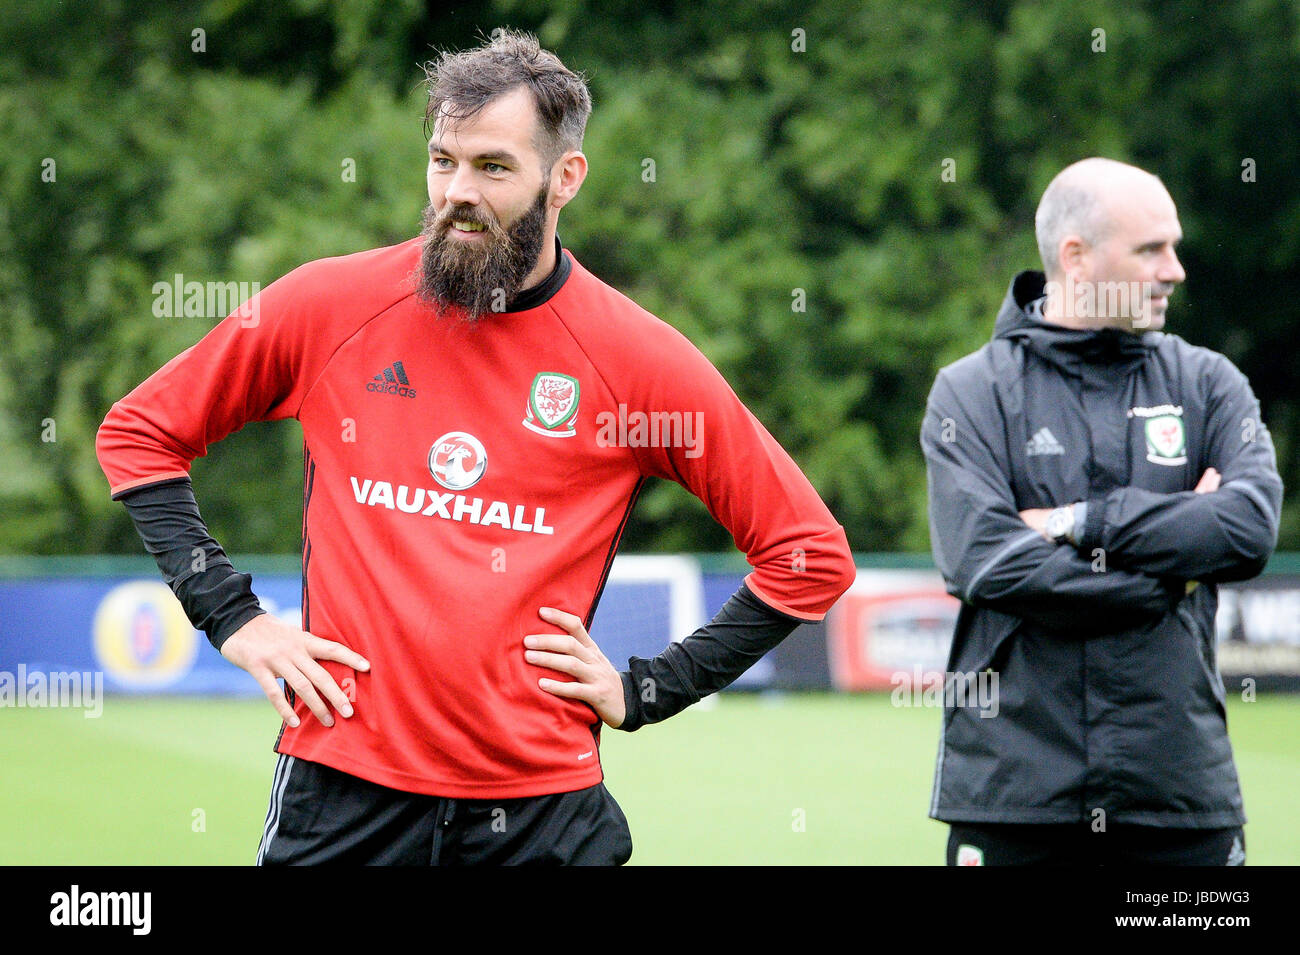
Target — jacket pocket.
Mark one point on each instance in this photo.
(982, 639)
(1197, 617)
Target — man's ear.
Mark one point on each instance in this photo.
(567, 176)
(1072, 256)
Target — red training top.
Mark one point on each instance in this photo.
(460, 475)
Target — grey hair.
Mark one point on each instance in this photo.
(1075, 203)
(1068, 208)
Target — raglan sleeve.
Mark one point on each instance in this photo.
(987, 554)
(1224, 535)
(254, 365)
(250, 367)
(724, 456)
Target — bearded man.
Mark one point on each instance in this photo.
(475, 364)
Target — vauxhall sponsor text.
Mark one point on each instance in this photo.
(450, 507)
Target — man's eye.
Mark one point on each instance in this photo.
(441, 162)
(493, 167)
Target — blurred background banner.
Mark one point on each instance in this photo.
(891, 630)
(891, 624)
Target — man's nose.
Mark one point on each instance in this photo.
(461, 189)
(1171, 270)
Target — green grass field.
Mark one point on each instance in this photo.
(801, 779)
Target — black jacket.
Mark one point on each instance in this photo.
(1109, 696)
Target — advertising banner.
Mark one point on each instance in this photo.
(128, 631)
(897, 625)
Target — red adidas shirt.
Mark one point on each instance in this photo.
(458, 477)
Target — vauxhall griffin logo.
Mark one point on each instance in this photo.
(457, 460)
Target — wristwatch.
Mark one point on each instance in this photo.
(1060, 524)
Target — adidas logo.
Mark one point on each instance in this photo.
(392, 381)
(1043, 443)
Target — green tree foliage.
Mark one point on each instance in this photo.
(829, 199)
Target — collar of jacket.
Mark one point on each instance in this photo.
(1067, 347)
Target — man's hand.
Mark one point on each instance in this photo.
(1036, 517)
(1208, 484)
(268, 648)
(595, 682)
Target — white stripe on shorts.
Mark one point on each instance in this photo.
(283, 766)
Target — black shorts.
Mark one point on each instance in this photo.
(1079, 845)
(322, 815)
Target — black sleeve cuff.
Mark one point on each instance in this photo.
(1092, 526)
(705, 662)
(217, 599)
(633, 718)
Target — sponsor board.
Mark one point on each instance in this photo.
(890, 622)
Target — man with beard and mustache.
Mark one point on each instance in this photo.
(1092, 480)
(479, 415)
(454, 272)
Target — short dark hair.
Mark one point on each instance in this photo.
(461, 84)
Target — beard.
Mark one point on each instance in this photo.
(478, 277)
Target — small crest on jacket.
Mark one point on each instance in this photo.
(1166, 440)
(552, 405)
(970, 855)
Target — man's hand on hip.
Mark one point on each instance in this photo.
(595, 681)
(269, 648)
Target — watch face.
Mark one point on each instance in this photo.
(1059, 523)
